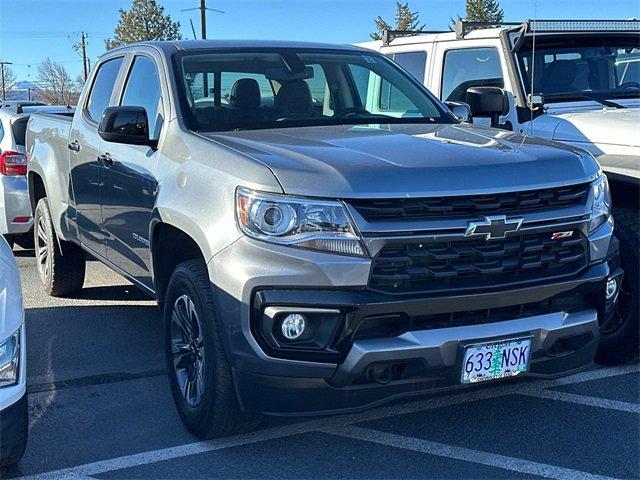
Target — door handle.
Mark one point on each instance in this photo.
(74, 146)
(105, 160)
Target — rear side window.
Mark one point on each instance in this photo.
(413, 62)
(103, 88)
(470, 67)
(143, 90)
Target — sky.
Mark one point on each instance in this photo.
(31, 30)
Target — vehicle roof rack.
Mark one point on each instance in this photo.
(389, 35)
(463, 27)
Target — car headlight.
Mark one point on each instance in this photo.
(306, 223)
(10, 360)
(601, 207)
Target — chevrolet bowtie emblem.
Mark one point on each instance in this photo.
(493, 227)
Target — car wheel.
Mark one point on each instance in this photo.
(9, 240)
(620, 333)
(199, 373)
(15, 451)
(61, 271)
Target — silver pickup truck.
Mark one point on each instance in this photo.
(310, 254)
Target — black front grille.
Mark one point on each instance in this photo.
(471, 206)
(416, 266)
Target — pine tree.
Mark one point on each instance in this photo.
(145, 20)
(406, 19)
(483, 11)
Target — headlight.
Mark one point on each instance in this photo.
(10, 360)
(601, 207)
(316, 224)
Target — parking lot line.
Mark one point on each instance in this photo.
(585, 400)
(459, 453)
(319, 424)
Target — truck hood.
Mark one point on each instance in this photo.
(603, 126)
(378, 161)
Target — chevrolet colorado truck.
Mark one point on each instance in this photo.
(320, 232)
(572, 81)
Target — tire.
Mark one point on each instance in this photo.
(209, 407)
(16, 451)
(9, 240)
(60, 273)
(620, 334)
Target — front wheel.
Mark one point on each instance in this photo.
(199, 374)
(60, 274)
(620, 332)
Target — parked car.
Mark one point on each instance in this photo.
(310, 255)
(14, 422)
(582, 88)
(16, 220)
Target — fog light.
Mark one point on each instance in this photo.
(293, 326)
(612, 288)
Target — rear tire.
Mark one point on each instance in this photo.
(9, 240)
(60, 273)
(620, 336)
(199, 374)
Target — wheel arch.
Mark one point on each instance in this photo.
(172, 244)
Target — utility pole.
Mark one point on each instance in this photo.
(203, 19)
(81, 48)
(83, 45)
(4, 92)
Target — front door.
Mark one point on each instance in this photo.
(86, 170)
(130, 184)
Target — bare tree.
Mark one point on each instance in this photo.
(8, 82)
(54, 84)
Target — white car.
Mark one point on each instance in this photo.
(16, 220)
(13, 362)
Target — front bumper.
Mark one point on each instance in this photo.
(563, 341)
(14, 422)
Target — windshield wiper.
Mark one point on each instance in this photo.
(584, 96)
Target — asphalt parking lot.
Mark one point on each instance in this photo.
(100, 407)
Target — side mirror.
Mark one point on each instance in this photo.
(488, 102)
(461, 111)
(128, 125)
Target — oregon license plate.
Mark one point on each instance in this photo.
(493, 360)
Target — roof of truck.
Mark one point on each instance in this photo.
(173, 45)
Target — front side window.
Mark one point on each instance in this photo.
(143, 90)
(578, 66)
(290, 87)
(470, 67)
(103, 88)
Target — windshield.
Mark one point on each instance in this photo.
(573, 66)
(287, 88)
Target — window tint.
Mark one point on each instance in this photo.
(470, 67)
(413, 62)
(143, 90)
(102, 88)
(1, 132)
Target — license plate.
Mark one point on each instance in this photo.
(494, 360)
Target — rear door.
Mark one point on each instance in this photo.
(84, 148)
(130, 185)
